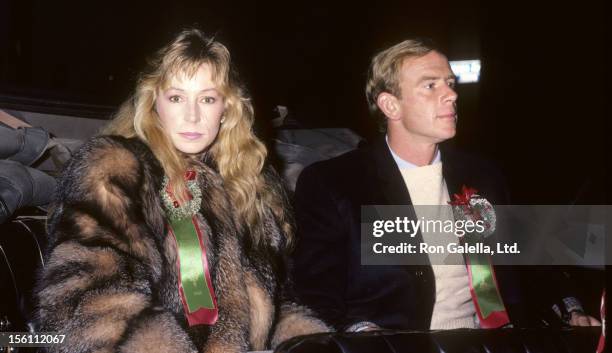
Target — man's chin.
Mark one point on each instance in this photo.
(446, 135)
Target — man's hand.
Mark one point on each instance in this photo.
(581, 319)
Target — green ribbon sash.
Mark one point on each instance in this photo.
(195, 284)
(485, 294)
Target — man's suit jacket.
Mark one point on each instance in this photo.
(326, 264)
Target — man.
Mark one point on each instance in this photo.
(410, 86)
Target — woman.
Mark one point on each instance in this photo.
(168, 236)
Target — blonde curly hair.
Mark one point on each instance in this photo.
(237, 153)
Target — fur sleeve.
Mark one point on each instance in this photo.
(230, 333)
(294, 319)
(105, 261)
(281, 213)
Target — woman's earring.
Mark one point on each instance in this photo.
(222, 119)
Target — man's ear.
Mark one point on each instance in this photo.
(389, 105)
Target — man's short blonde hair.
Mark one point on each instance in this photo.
(383, 75)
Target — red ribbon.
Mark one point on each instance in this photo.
(602, 338)
(190, 175)
(463, 199)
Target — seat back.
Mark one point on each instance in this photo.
(22, 244)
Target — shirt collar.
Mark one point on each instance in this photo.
(403, 164)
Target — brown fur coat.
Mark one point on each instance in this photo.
(110, 281)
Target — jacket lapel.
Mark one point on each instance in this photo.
(451, 171)
(391, 181)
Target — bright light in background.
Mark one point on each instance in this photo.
(467, 71)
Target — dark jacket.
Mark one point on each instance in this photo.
(327, 270)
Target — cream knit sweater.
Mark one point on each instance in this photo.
(453, 307)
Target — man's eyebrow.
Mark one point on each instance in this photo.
(434, 78)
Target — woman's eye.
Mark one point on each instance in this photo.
(430, 85)
(209, 100)
(174, 99)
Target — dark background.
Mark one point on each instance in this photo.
(539, 110)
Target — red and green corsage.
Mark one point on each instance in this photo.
(195, 284)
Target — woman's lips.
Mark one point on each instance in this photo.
(191, 135)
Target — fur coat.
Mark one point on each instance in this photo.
(110, 283)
